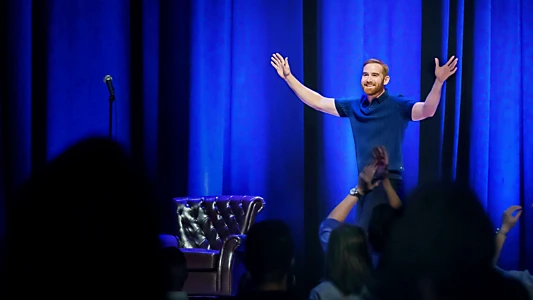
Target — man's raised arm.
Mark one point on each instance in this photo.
(306, 95)
(424, 110)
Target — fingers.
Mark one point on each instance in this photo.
(274, 62)
(375, 152)
(368, 173)
(518, 214)
(280, 58)
(378, 151)
(286, 61)
(380, 154)
(511, 209)
(383, 151)
(277, 60)
(450, 60)
(451, 63)
(454, 63)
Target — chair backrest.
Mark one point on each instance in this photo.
(204, 222)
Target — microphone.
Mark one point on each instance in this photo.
(108, 80)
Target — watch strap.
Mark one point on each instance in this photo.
(355, 192)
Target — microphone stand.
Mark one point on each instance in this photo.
(108, 81)
(111, 100)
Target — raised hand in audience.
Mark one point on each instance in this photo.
(509, 219)
(366, 182)
(381, 159)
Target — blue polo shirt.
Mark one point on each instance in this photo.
(380, 123)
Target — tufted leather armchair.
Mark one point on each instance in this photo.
(210, 230)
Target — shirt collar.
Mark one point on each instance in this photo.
(379, 99)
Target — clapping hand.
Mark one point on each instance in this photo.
(381, 159)
(366, 181)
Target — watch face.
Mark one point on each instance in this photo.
(353, 192)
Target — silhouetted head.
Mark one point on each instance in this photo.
(85, 226)
(441, 248)
(176, 266)
(269, 254)
(348, 262)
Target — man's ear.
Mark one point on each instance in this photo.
(386, 80)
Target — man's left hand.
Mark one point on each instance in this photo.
(444, 72)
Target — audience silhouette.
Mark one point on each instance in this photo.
(84, 227)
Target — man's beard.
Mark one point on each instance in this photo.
(373, 90)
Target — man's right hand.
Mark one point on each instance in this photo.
(281, 65)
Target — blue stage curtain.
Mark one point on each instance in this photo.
(479, 135)
(500, 156)
(246, 133)
(526, 115)
(197, 99)
(200, 106)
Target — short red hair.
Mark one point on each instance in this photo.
(379, 62)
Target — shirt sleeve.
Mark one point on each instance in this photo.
(406, 107)
(326, 227)
(344, 106)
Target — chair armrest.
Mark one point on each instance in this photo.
(228, 254)
(242, 245)
(231, 244)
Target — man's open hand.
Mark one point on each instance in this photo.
(281, 65)
(444, 72)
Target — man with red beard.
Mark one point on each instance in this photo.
(377, 119)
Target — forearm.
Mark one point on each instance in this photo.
(341, 211)
(392, 196)
(501, 236)
(432, 100)
(306, 95)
